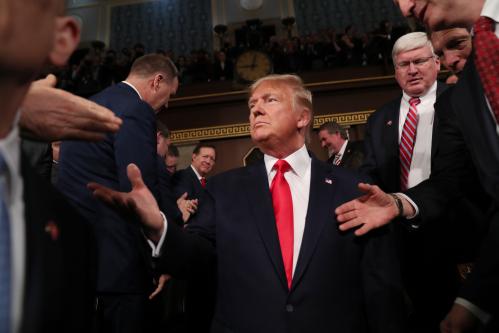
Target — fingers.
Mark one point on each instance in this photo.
(350, 224)
(161, 283)
(346, 216)
(134, 175)
(346, 207)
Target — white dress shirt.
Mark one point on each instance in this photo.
(421, 156)
(341, 153)
(298, 178)
(10, 148)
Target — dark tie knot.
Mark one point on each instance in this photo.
(414, 101)
(281, 166)
(484, 24)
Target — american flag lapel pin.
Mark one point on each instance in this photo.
(389, 123)
(52, 229)
(328, 181)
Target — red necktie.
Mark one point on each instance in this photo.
(203, 182)
(407, 140)
(486, 46)
(283, 211)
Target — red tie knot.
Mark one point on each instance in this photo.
(483, 24)
(414, 101)
(281, 166)
(203, 181)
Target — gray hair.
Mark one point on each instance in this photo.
(411, 41)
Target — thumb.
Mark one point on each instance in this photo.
(134, 175)
(49, 81)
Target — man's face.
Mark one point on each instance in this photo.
(453, 46)
(272, 118)
(416, 70)
(171, 163)
(204, 161)
(165, 90)
(162, 144)
(332, 142)
(438, 14)
(27, 31)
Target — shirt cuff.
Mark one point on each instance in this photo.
(483, 316)
(156, 248)
(416, 210)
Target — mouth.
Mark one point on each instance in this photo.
(414, 81)
(260, 124)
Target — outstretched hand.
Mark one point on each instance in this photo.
(52, 114)
(138, 201)
(161, 284)
(187, 206)
(370, 211)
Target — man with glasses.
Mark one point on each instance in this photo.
(398, 148)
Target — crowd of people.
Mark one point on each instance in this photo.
(92, 69)
(412, 245)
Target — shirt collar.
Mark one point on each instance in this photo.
(299, 161)
(343, 148)
(429, 92)
(133, 87)
(491, 9)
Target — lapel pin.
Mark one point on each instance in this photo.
(52, 229)
(389, 123)
(328, 181)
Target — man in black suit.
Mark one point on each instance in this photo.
(124, 257)
(342, 152)
(467, 140)
(192, 179)
(46, 252)
(268, 230)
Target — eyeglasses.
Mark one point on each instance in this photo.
(420, 62)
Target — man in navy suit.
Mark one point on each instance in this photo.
(192, 179)
(468, 133)
(282, 264)
(124, 257)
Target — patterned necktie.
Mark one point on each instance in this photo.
(407, 140)
(283, 211)
(5, 264)
(203, 182)
(486, 47)
(337, 159)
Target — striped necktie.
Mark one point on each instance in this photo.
(407, 141)
(5, 258)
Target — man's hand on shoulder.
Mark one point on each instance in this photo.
(50, 114)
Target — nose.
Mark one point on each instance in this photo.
(406, 7)
(257, 109)
(451, 61)
(412, 68)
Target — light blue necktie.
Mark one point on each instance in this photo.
(5, 259)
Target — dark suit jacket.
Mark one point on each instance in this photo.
(185, 180)
(341, 283)
(353, 157)
(124, 259)
(468, 141)
(167, 200)
(429, 256)
(59, 294)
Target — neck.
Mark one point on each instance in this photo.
(11, 97)
(282, 149)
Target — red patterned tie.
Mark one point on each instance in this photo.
(486, 46)
(407, 140)
(203, 182)
(283, 211)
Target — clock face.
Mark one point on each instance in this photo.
(251, 4)
(252, 65)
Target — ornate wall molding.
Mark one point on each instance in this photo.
(242, 130)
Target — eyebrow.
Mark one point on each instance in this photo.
(264, 96)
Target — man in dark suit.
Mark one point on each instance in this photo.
(428, 257)
(467, 140)
(124, 257)
(192, 179)
(342, 152)
(46, 251)
(282, 264)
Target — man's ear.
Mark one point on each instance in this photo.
(157, 80)
(304, 118)
(66, 39)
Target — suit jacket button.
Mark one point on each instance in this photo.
(289, 308)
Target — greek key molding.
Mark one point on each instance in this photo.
(242, 130)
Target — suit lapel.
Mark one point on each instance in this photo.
(319, 212)
(258, 193)
(441, 87)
